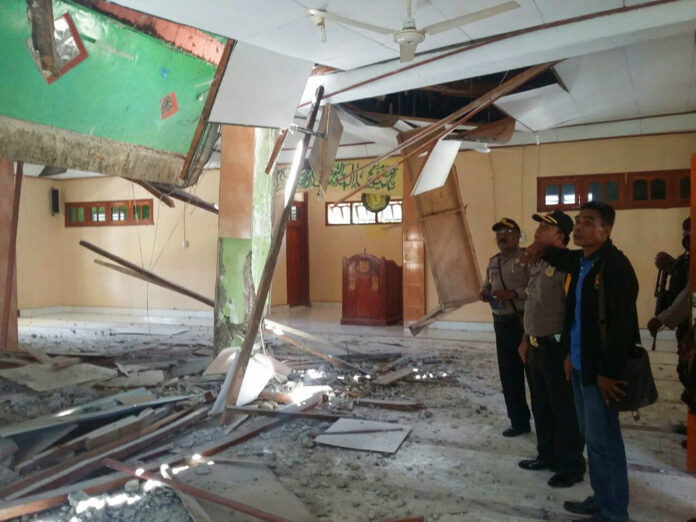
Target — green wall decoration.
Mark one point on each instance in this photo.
(115, 92)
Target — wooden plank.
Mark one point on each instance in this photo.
(186, 197)
(328, 358)
(196, 492)
(34, 443)
(277, 147)
(154, 277)
(283, 413)
(391, 405)
(43, 34)
(8, 247)
(383, 368)
(43, 377)
(257, 311)
(57, 497)
(49, 499)
(84, 463)
(427, 136)
(88, 462)
(118, 429)
(207, 107)
(155, 191)
(392, 377)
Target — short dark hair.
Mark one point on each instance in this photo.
(606, 211)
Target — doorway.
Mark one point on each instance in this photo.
(297, 255)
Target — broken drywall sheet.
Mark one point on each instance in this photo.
(367, 437)
(44, 377)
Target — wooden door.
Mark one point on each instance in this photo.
(297, 255)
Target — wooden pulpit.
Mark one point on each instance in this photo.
(371, 291)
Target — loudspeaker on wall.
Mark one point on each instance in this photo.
(55, 202)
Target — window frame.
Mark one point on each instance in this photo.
(625, 181)
(352, 204)
(129, 220)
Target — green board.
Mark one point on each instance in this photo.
(115, 92)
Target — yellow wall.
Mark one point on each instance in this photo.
(511, 175)
(55, 271)
(329, 244)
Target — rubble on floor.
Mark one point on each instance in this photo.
(412, 423)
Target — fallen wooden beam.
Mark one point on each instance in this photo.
(155, 191)
(276, 150)
(90, 461)
(259, 306)
(9, 282)
(146, 273)
(58, 497)
(392, 377)
(285, 413)
(391, 405)
(328, 358)
(182, 195)
(50, 499)
(193, 491)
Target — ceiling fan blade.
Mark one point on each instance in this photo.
(407, 52)
(48, 170)
(453, 23)
(349, 21)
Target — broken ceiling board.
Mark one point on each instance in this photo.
(43, 377)
(260, 88)
(34, 443)
(661, 85)
(387, 441)
(541, 108)
(446, 235)
(323, 153)
(437, 167)
(251, 485)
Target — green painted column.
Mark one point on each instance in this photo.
(245, 225)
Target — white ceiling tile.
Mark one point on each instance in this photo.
(600, 84)
(249, 93)
(541, 108)
(554, 10)
(526, 15)
(662, 74)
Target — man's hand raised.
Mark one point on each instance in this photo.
(533, 253)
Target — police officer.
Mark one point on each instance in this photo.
(559, 442)
(504, 290)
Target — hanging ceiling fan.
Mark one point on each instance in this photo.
(409, 36)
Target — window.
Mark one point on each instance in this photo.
(109, 213)
(656, 189)
(355, 213)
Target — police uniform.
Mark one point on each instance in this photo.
(559, 442)
(505, 273)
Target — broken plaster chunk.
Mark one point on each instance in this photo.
(132, 486)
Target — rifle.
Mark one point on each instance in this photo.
(660, 296)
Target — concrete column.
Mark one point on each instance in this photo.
(243, 228)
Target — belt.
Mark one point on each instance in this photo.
(534, 341)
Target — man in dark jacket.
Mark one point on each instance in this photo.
(595, 365)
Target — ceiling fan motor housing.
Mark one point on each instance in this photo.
(409, 37)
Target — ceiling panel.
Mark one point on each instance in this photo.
(600, 84)
(541, 108)
(554, 10)
(662, 86)
(249, 93)
(527, 15)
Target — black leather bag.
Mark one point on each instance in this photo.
(640, 390)
(640, 386)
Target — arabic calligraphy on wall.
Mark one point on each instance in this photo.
(390, 183)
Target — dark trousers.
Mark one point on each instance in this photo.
(605, 450)
(559, 441)
(508, 336)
